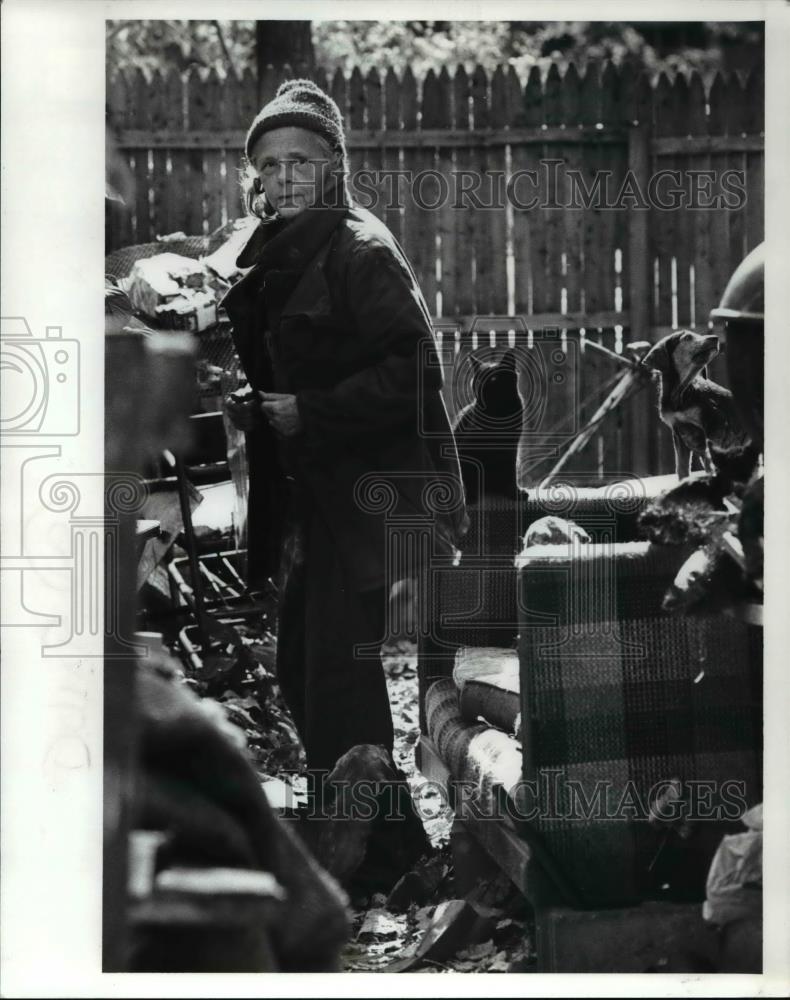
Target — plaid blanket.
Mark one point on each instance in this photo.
(476, 602)
(618, 698)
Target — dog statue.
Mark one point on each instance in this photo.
(701, 414)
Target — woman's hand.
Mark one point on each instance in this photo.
(244, 410)
(281, 411)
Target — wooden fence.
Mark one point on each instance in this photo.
(486, 239)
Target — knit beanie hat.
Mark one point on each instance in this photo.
(303, 104)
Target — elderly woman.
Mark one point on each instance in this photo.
(332, 330)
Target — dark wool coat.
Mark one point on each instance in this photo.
(331, 311)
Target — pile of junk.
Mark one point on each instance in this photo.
(222, 872)
(219, 869)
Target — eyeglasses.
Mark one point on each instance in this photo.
(271, 167)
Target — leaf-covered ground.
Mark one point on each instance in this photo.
(243, 684)
(380, 936)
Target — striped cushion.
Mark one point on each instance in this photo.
(488, 687)
(477, 756)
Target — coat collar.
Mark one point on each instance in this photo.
(292, 245)
(299, 246)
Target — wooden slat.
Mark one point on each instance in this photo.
(393, 215)
(556, 380)
(248, 103)
(374, 157)
(464, 215)
(138, 90)
(481, 233)
(174, 102)
(668, 145)
(536, 218)
(161, 112)
(193, 206)
(120, 217)
(703, 267)
(514, 117)
(607, 444)
(590, 373)
(720, 217)
(638, 279)
(627, 86)
(530, 112)
(590, 112)
(573, 217)
(319, 77)
(684, 229)
(662, 223)
(270, 81)
(356, 100)
(412, 243)
(736, 161)
(129, 138)
(496, 168)
(426, 193)
(553, 113)
(557, 360)
(535, 321)
(230, 110)
(446, 214)
(608, 160)
(615, 104)
(356, 120)
(664, 243)
(339, 94)
(755, 163)
(215, 210)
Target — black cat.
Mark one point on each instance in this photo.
(487, 430)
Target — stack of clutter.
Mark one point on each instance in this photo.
(174, 291)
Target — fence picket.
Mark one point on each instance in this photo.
(522, 192)
(448, 244)
(720, 216)
(374, 157)
(735, 104)
(425, 192)
(536, 218)
(339, 93)
(215, 210)
(356, 120)
(119, 217)
(496, 168)
(464, 214)
(572, 216)
(553, 270)
(393, 216)
(703, 267)
(141, 119)
(231, 111)
(195, 213)
(662, 223)
(160, 117)
(590, 115)
(755, 162)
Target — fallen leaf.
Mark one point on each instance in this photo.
(381, 925)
